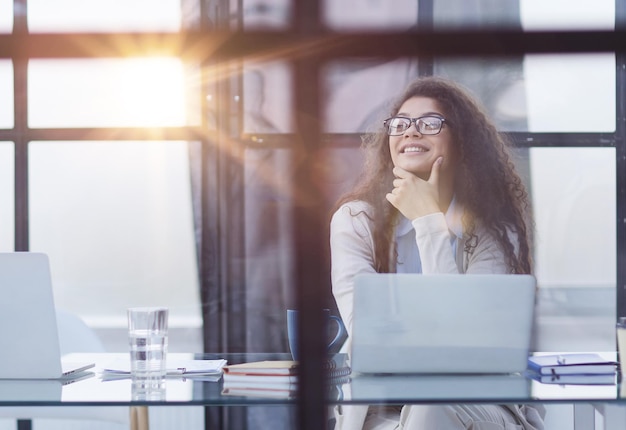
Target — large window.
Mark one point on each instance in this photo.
(114, 216)
(174, 176)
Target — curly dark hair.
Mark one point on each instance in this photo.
(486, 182)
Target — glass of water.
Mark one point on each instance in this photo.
(147, 338)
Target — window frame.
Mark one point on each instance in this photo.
(220, 173)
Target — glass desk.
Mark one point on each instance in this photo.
(359, 389)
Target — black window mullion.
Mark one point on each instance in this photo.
(87, 134)
(620, 172)
(221, 260)
(425, 22)
(620, 164)
(20, 137)
(521, 139)
(564, 140)
(307, 221)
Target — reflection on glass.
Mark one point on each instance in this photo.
(497, 82)
(357, 93)
(116, 220)
(103, 15)
(7, 199)
(269, 246)
(458, 14)
(263, 14)
(267, 98)
(7, 115)
(538, 93)
(403, 14)
(369, 14)
(107, 93)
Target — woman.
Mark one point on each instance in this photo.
(439, 194)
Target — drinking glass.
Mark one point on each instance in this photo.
(147, 338)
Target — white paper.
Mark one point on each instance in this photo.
(184, 368)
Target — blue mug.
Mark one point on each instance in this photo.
(292, 332)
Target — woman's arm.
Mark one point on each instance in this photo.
(352, 253)
(436, 252)
(434, 243)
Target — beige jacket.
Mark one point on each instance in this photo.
(439, 244)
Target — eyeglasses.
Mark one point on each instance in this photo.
(429, 124)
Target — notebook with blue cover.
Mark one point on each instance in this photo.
(414, 323)
(571, 364)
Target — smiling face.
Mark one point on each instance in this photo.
(415, 152)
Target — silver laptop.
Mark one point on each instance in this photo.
(400, 387)
(413, 323)
(28, 326)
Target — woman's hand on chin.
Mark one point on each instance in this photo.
(413, 196)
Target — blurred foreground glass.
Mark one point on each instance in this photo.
(147, 340)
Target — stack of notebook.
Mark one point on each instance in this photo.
(572, 369)
(277, 378)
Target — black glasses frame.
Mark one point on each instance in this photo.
(418, 124)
